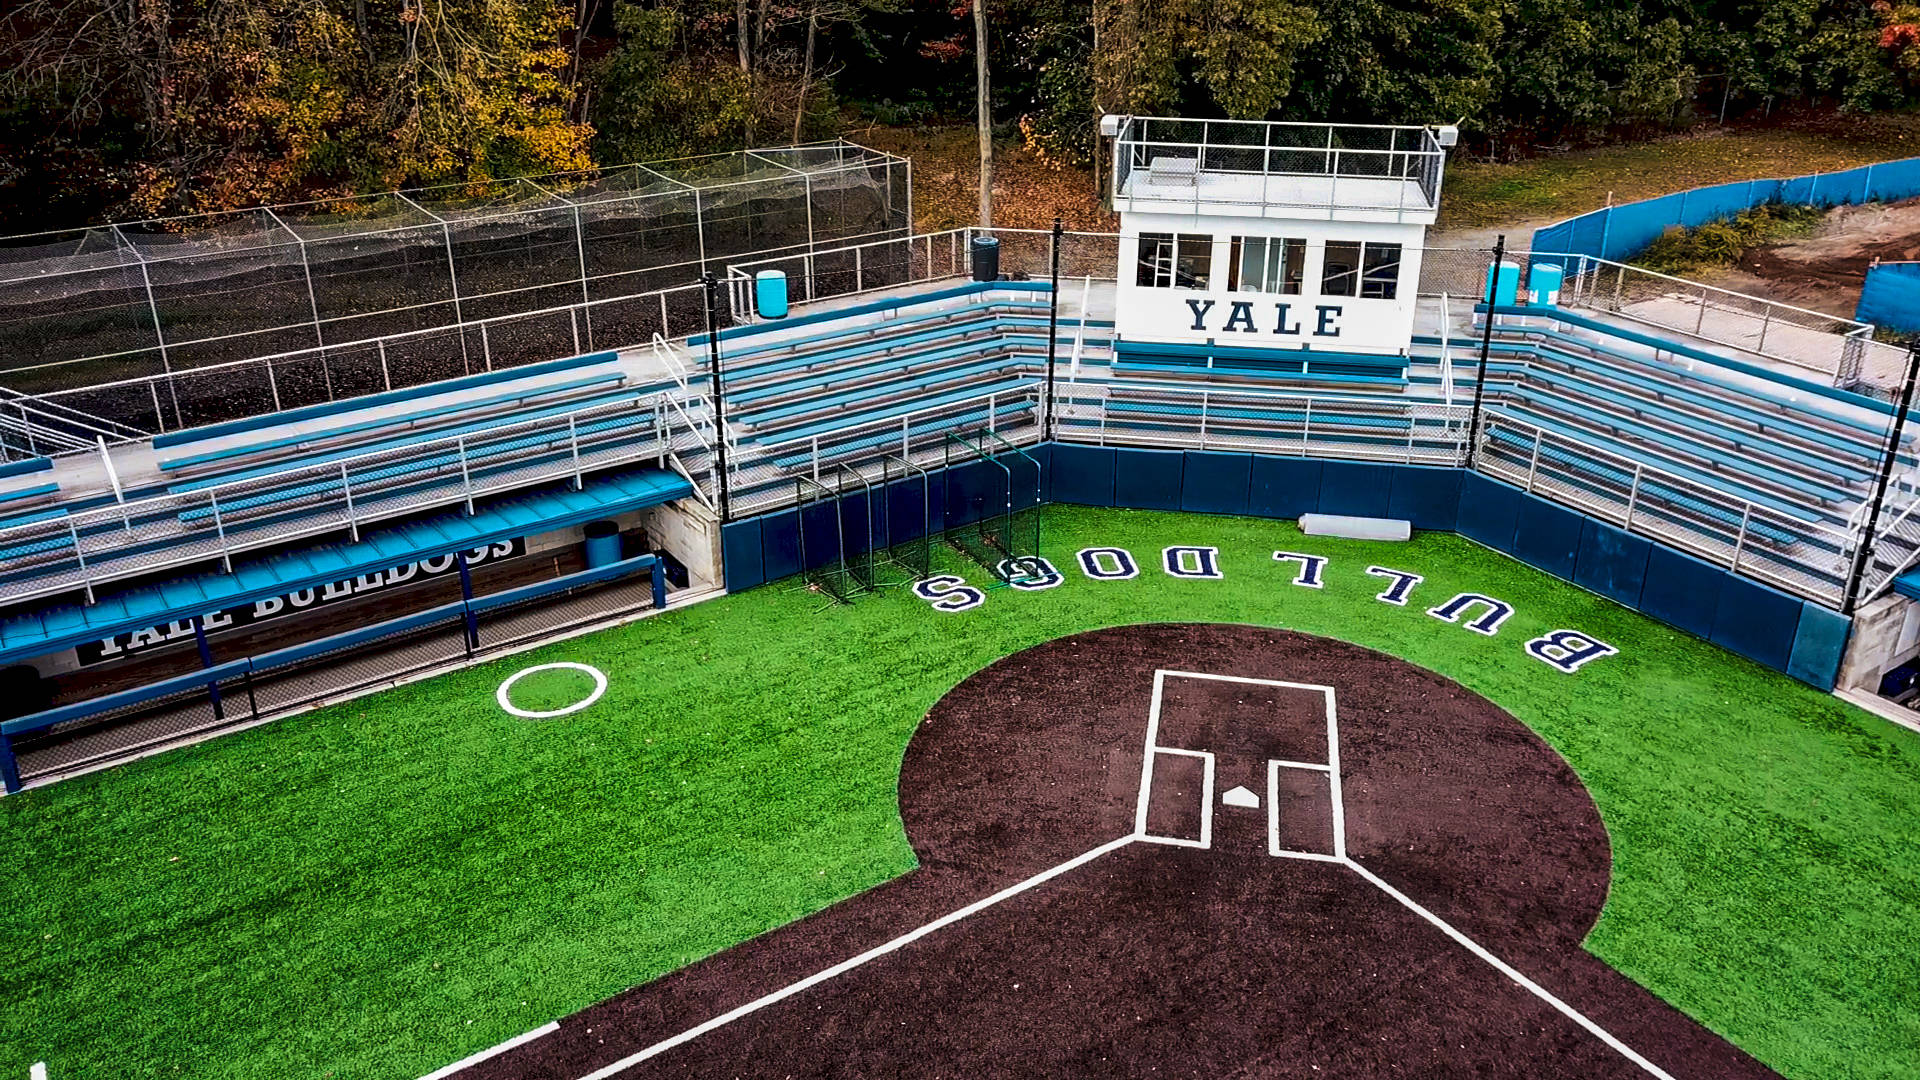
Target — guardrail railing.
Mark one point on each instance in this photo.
(89, 547)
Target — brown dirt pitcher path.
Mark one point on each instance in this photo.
(1361, 884)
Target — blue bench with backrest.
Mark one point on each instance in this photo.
(1244, 362)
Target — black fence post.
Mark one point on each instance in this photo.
(466, 597)
(206, 661)
(1868, 536)
(1486, 346)
(1053, 331)
(719, 404)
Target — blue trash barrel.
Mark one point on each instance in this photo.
(603, 544)
(986, 258)
(1506, 289)
(1543, 283)
(770, 293)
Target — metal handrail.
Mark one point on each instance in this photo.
(172, 503)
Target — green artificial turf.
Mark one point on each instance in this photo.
(382, 887)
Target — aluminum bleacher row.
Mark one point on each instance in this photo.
(885, 377)
(225, 489)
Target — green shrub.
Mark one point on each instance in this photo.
(1722, 243)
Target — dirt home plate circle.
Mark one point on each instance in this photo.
(1188, 851)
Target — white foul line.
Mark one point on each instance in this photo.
(845, 966)
(1508, 970)
(474, 1059)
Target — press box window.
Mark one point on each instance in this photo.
(1340, 273)
(1380, 273)
(1168, 261)
(1267, 264)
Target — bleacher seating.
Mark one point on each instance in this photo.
(365, 424)
(1216, 362)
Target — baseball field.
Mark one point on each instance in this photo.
(382, 887)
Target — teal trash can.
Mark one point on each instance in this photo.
(1543, 283)
(1505, 287)
(770, 293)
(603, 544)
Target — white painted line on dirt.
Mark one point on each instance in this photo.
(1509, 971)
(845, 966)
(1301, 765)
(474, 1059)
(1206, 801)
(1333, 780)
(599, 688)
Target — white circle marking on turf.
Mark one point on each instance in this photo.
(599, 688)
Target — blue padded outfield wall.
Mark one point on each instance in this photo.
(1891, 297)
(1621, 232)
(1783, 632)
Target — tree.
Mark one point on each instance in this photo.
(985, 100)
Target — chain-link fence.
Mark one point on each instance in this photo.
(107, 304)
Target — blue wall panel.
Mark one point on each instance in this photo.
(1681, 590)
(973, 490)
(1429, 498)
(1756, 622)
(819, 534)
(1148, 479)
(1082, 474)
(1488, 510)
(1612, 563)
(1356, 490)
(780, 544)
(909, 511)
(1818, 644)
(740, 557)
(1284, 487)
(857, 525)
(1214, 483)
(1547, 536)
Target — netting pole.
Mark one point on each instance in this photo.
(1053, 331)
(1486, 346)
(1864, 553)
(712, 290)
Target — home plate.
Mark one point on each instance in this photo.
(1240, 796)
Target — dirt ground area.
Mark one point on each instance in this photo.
(1825, 269)
(1187, 850)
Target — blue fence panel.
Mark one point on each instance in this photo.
(1612, 563)
(1891, 296)
(1427, 497)
(1589, 234)
(1892, 181)
(1756, 622)
(1621, 232)
(1701, 205)
(1488, 511)
(1636, 225)
(1356, 490)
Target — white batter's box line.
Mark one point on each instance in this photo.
(1206, 800)
(1315, 766)
(1274, 849)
